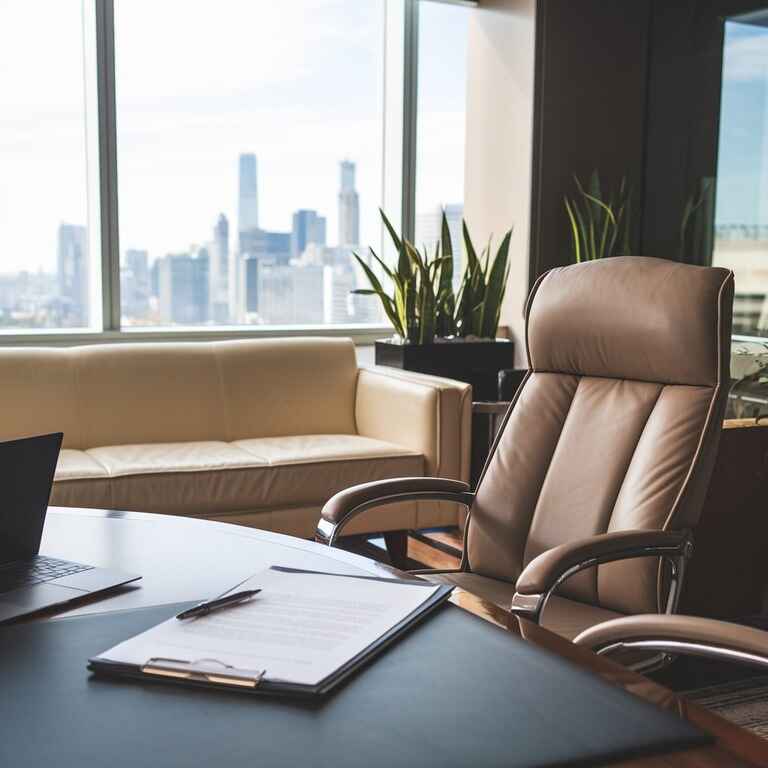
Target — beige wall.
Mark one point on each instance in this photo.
(500, 139)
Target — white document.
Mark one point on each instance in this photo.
(299, 629)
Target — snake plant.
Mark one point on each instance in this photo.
(423, 305)
(600, 227)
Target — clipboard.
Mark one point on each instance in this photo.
(209, 672)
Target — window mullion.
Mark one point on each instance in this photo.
(110, 248)
(410, 108)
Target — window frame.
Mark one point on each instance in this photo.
(110, 328)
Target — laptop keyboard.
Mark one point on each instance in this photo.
(36, 571)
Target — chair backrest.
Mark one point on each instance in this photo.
(616, 425)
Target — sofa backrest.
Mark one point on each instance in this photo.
(122, 394)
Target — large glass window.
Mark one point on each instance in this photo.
(49, 264)
(250, 150)
(233, 155)
(741, 218)
(441, 119)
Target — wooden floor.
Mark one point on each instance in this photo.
(426, 549)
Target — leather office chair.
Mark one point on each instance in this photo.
(606, 451)
(675, 635)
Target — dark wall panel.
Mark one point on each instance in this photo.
(590, 109)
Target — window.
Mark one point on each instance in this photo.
(741, 215)
(49, 265)
(441, 117)
(250, 159)
(175, 165)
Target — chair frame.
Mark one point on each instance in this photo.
(674, 549)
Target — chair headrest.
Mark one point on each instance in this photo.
(632, 317)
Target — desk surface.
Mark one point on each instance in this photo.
(183, 559)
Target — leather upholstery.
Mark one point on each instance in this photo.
(258, 430)
(567, 618)
(686, 629)
(344, 501)
(542, 573)
(615, 427)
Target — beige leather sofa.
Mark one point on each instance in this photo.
(258, 432)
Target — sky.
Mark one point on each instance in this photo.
(742, 187)
(299, 83)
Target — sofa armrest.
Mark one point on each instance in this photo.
(690, 635)
(545, 572)
(426, 414)
(345, 505)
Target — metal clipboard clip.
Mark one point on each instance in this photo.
(203, 670)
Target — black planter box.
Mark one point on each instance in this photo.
(476, 362)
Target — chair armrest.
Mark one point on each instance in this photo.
(345, 505)
(690, 635)
(429, 415)
(545, 572)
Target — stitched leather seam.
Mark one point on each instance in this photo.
(528, 310)
(464, 565)
(549, 466)
(661, 389)
(706, 427)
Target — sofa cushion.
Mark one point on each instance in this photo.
(202, 478)
(163, 458)
(300, 449)
(276, 387)
(80, 481)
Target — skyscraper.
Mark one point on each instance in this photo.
(134, 285)
(349, 206)
(183, 288)
(429, 231)
(72, 258)
(248, 198)
(218, 272)
(308, 228)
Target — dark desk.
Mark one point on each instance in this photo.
(184, 559)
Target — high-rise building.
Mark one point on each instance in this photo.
(290, 295)
(183, 288)
(275, 246)
(248, 197)
(308, 229)
(349, 206)
(266, 247)
(429, 230)
(134, 285)
(338, 300)
(250, 267)
(72, 258)
(218, 272)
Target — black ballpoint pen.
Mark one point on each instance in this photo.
(220, 602)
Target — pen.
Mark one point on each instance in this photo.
(220, 602)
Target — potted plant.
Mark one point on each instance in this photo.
(600, 227)
(436, 331)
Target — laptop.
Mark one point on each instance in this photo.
(29, 581)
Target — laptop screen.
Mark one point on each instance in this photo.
(27, 467)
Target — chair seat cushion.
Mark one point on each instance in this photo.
(563, 616)
(199, 478)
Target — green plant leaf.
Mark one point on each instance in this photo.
(574, 232)
(496, 287)
(392, 233)
(386, 302)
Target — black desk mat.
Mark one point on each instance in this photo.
(456, 691)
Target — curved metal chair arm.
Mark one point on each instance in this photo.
(690, 635)
(545, 573)
(347, 504)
